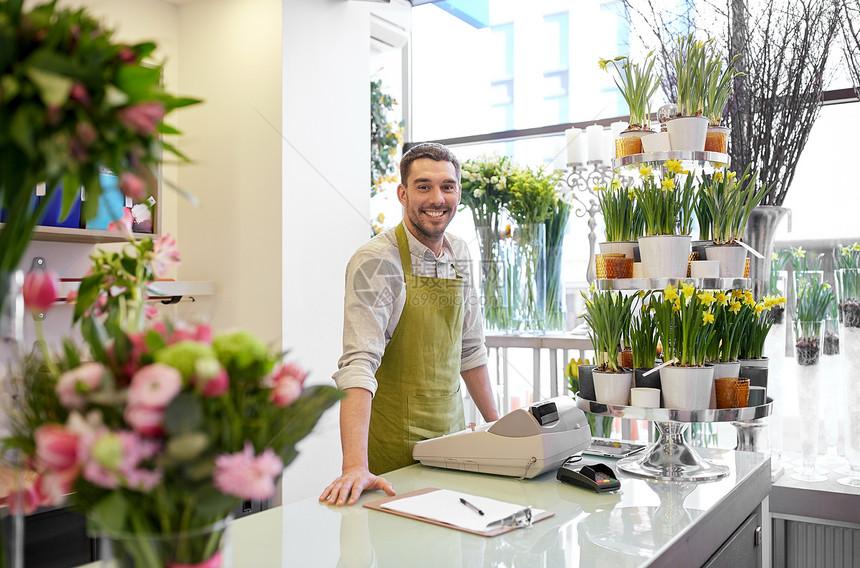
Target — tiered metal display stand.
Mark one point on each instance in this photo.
(670, 457)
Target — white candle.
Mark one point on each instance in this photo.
(576, 146)
(595, 143)
(608, 147)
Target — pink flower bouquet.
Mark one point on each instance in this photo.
(162, 431)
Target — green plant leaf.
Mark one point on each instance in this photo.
(88, 293)
(54, 89)
(183, 414)
(111, 513)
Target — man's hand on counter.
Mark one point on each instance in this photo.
(347, 488)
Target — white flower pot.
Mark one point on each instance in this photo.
(613, 388)
(732, 259)
(687, 388)
(704, 269)
(618, 247)
(665, 256)
(688, 133)
(657, 142)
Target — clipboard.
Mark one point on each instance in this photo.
(537, 514)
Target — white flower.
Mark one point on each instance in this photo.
(494, 180)
(478, 193)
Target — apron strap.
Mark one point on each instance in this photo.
(403, 247)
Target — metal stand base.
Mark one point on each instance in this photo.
(670, 458)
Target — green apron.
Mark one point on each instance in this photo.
(418, 392)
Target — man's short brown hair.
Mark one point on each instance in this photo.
(431, 150)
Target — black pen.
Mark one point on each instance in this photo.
(466, 503)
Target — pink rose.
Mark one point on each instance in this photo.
(154, 386)
(142, 118)
(145, 420)
(75, 384)
(79, 93)
(56, 447)
(287, 382)
(214, 386)
(132, 186)
(40, 290)
(245, 476)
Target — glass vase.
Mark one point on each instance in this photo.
(204, 547)
(774, 350)
(848, 298)
(11, 337)
(495, 272)
(808, 343)
(556, 302)
(530, 292)
(799, 279)
(831, 374)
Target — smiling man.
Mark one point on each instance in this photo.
(412, 327)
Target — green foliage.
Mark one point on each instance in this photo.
(608, 316)
(690, 61)
(719, 83)
(730, 202)
(666, 200)
(637, 86)
(618, 206)
(813, 303)
(643, 337)
(685, 323)
(386, 137)
(67, 91)
(532, 195)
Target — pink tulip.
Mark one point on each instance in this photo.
(145, 420)
(56, 447)
(142, 118)
(40, 290)
(287, 382)
(132, 186)
(27, 498)
(245, 476)
(154, 386)
(53, 487)
(74, 384)
(164, 255)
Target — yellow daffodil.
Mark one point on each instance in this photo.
(737, 294)
(781, 300)
(798, 252)
(735, 307)
(749, 300)
(591, 287)
(722, 298)
(676, 305)
(730, 176)
(599, 188)
(759, 308)
(615, 183)
(645, 171)
(688, 289)
(603, 63)
(668, 184)
(641, 293)
(674, 166)
(707, 317)
(774, 256)
(845, 251)
(671, 292)
(827, 286)
(855, 247)
(706, 298)
(718, 176)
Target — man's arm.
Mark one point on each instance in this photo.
(478, 382)
(355, 477)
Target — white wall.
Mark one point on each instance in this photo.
(326, 157)
(231, 57)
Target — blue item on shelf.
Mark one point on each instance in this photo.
(53, 211)
(34, 202)
(111, 203)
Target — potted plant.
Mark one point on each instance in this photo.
(532, 199)
(608, 316)
(622, 219)
(718, 88)
(685, 323)
(723, 348)
(637, 85)
(690, 63)
(730, 202)
(486, 192)
(644, 341)
(756, 324)
(667, 207)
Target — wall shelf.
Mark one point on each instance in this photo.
(166, 291)
(86, 236)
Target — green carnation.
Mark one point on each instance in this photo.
(239, 349)
(184, 356)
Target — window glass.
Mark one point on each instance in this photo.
(535, 64)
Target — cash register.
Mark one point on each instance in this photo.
(524, 443)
